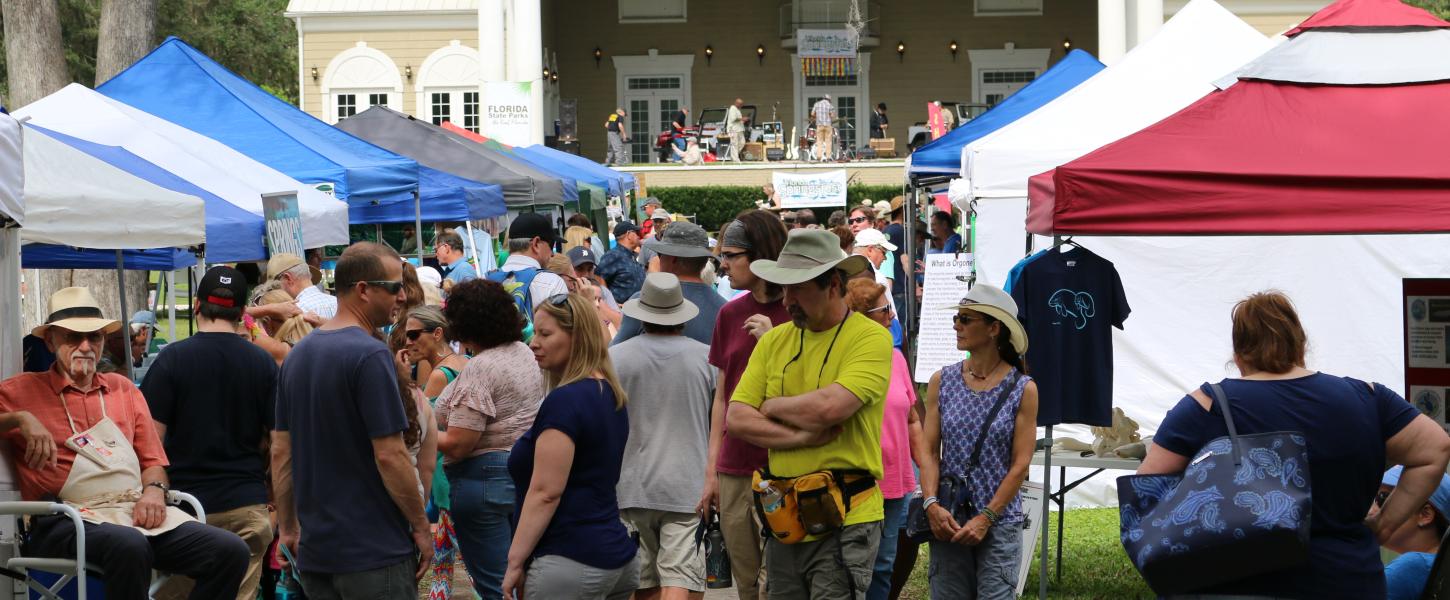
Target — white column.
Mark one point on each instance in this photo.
(1148, 19)
(492, 56)
(526, 59)
(1112, 30)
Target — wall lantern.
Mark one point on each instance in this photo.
(952, 46)
(598, 55)
(554, 77)
(900, 51)
(1066, 44)
(314, 74)
(709, 54)
(546, 73)
(408, 72)
(760, 54)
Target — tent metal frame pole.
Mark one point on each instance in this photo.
(1047, 487)
(418, 224)
(125, 318)
(171, 304)
(473, 244)
(911, 322)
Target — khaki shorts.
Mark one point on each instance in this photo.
(668, 555)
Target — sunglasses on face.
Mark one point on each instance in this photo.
(414, 334)
(965, 320)
(879, 309)
(854, 220)
(74, 338)
(391, 287)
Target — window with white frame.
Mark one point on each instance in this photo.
(470, 111)
(358, 78)
(1008, 8)
(440, 107)
(652, 11)
(447, 87)
(346, 105)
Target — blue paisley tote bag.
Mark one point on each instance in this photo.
(1241, 508)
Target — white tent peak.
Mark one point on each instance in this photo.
(1345, 56)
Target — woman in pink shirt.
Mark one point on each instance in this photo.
(900, 436)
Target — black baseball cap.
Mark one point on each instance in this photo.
(624, 227)
(223, 278)
(534, 225)
(581, 255)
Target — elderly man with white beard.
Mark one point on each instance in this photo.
(87, 439)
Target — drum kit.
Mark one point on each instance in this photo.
(842, 151)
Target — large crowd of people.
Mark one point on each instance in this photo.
(570, 422)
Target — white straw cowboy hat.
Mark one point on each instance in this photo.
(661, 302)
(807, 254)
(999, 305)
(75, 309)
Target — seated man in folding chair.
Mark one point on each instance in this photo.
(108, 464)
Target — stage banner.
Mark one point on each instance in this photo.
(945, 282)
(825, 43)
(1426, 310)
(827, 188)
(284, 223)
(506, 116)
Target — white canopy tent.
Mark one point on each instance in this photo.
(1177, 66)
(107, 208)
(83, 113)
(12, 215)
(1182, 289)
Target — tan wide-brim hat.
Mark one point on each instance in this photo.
(807, 254)
(74, 308)
(661, 302)
(999, 305)
(281, 262)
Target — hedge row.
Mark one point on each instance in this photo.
(714, 206)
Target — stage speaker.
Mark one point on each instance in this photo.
(775, 154)
(569, 119)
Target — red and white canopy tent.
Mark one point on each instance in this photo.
(1301, 155)
(1341, 129)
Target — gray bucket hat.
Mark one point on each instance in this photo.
(684, 240)
(661, 302)
(807, 254)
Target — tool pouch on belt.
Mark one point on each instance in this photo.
(813, 504)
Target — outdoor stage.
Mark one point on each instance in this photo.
(859, 172)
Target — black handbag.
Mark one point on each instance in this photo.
(1241, 508)
(954, 491)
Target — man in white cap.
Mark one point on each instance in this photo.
(87, 439)
(300, 281)
(812, 395)
(873, 245)
(669, 422)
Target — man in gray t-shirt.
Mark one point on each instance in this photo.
(670, 385)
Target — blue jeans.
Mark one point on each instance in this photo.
(886, 554)
(986, 571)
(679, 143)
(483, 503)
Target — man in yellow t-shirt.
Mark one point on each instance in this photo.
(812, 395)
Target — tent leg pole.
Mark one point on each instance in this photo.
(418, 224)
(125, 318)
(171, 305)
(472, 243)
(910, 321)
(1046, 495)
(190, 301)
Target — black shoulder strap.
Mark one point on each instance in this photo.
(1228, 419)
(987, 423)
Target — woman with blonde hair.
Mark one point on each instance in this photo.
(576, 236)
(566, 467)
(288, 331)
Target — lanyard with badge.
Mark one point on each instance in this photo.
(84, 442)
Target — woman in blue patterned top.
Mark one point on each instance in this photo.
(1353, 429)
(976, 550)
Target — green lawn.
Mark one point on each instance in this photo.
(1093, 563)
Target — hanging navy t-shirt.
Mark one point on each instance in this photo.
(1067, 301)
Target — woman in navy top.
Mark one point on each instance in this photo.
(569, 541)
(1353, 429)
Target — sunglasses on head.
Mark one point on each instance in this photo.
(854, 220)
(561, 300)
(391, 287)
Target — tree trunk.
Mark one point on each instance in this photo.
(127, 33)
(34, 57)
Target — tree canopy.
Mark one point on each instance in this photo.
(250, 37)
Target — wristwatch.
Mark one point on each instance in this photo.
(159, 485)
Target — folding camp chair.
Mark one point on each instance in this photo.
(1437, 585)
(69, 569)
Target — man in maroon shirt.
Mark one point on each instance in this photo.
(754, 235)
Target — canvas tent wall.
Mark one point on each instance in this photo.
(944, 155)
(12, 216)
(437, 149)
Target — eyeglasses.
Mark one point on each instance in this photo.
(391, 287)
(414, 334)
(74, 338)
(854, 220)
(733, 255)
(965, 320)
(879, 309)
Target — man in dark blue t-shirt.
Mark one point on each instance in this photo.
(1069, 301)
(340, 468)
(212, 396)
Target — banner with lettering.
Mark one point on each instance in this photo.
(506, 115)
(827, 188)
